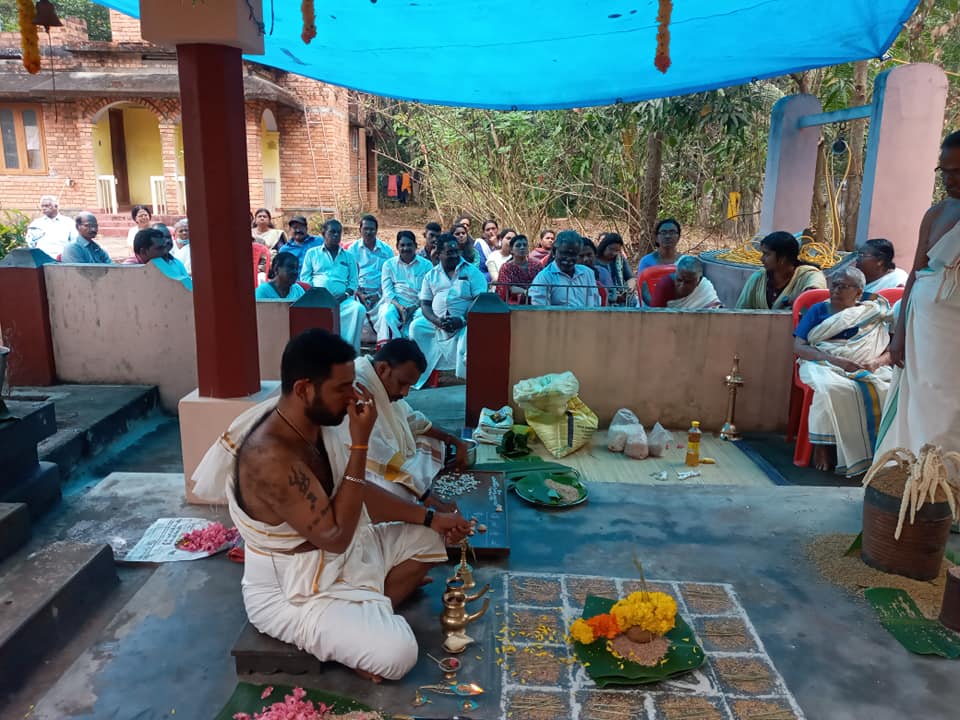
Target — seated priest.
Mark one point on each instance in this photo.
(686, 288)
(841, 349)
(330, 266)
(440, 325)
(329, 555)
(400, 286)
(405, 449)
(562, 282)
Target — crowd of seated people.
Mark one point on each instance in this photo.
(424, 293)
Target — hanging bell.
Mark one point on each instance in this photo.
(46, 15)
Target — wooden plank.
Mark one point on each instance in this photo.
(481, 503)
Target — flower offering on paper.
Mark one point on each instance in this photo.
(208, 539)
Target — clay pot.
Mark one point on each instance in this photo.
(918, 554)
(950, 610)
(637, 635)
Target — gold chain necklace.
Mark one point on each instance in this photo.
(312, 446)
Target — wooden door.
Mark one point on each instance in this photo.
(118, 149)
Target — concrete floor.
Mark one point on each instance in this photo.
(161, 647)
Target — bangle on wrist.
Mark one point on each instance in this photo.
(358, 447)
(354, 479)
(428, 518)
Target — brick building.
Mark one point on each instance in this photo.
(109, 136)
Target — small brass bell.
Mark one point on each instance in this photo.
(46, 15)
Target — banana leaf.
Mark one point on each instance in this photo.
(533, 488)
(513, 445)
(520, 466)
(902, 619)
(855, 547)
(246, 699)
(605, 670)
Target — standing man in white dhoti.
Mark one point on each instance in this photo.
(406, 450)
(440, 326)
(923, 404)
(329, 266)
(329, 556)
(400, 286)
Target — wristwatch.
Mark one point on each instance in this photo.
(428, 518)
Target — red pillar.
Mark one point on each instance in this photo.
(215, 163)
(25, 318)
(316, 309)
(488, 356)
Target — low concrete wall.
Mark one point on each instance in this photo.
(663, 365)
(132, 324)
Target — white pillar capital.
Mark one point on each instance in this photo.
(214, 22)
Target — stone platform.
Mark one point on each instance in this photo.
(172, 640)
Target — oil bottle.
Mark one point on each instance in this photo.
(693, 444)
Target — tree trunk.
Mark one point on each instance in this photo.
(819, 211)
(856, 140)
(650, 191)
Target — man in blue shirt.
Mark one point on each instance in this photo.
(330, 266)
(563, 283)
(82, 248)
(370, 254)
(300, 240)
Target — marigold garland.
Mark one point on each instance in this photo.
(309, 21)
(662, 58)
(29, 36)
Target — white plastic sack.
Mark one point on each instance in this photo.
(547, 394)
(658, 441)
(636, 445)
(619, 426)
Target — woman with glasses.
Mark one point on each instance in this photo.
(783, 277)
(667, 238)
(875, 261)
(840, 346)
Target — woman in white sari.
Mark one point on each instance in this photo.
(840, 347)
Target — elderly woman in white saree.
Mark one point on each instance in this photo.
(840, 346)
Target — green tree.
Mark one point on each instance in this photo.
(97, 16)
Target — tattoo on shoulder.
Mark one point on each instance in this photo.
(299, 480)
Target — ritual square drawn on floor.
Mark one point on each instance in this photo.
(542, 678)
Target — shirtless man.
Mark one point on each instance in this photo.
(923, 405)
(329, 556)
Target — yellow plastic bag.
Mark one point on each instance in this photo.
(566, 433)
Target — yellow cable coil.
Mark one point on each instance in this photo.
(822, 254)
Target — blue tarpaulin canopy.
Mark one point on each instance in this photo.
(540, 54)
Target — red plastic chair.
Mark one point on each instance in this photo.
(801, 395)
(260, 252)
(653, 276)
(892, 294)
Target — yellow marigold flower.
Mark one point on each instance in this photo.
(581, 632)
(654, 612)
(29, 37)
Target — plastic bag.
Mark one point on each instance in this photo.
(565, 433)
(547, 394)
(636, 445)
(658, 441)
(619, 426)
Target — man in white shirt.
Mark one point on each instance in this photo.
(181, 249)
(563, 283)
(329, 266)
(51, 231)
(400, 285)
(370, 254)
(440, 326)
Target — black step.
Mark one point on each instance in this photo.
(14, 527)
(255, 652)
(45, 597)
(39, 491)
